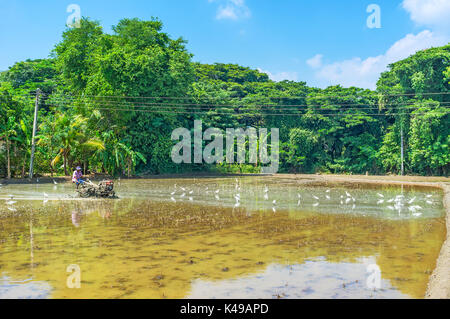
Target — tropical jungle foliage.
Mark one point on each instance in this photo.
(109, 103)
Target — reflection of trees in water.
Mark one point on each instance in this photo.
(147, 249)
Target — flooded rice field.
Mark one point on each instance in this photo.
(252, 237)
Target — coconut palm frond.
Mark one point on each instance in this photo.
(56, 159)
(94, 144)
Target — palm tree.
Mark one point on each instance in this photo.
(7, 129)
(72, 134)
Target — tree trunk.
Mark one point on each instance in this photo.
(65, 163)
(8, 168)
(23, 167)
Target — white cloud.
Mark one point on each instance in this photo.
(232, 9)
(434, 13)
(280, 76)
(365, 72)
(315, 62)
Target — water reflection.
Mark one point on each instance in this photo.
(140, 248)
(23, 289)
(312, 279)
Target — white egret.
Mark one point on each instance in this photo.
(411, 200)
(412, 208)
(380, 195)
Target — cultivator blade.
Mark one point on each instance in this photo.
(104, 189)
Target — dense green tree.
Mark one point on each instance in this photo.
(111, 101)
(430, 139)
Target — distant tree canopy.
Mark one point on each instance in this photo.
(419, 82)
(31, 74)
(228, 73)
(110, 102)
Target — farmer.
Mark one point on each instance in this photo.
(77, 175)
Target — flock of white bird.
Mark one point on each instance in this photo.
(10, 201)
(398, 203)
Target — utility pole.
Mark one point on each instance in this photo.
(33, 140)
(401, 148)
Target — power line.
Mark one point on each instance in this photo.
(245, 108)
(246, 114)
(375, 95)
(206, 106)
(306, 96)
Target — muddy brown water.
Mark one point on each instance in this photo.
(219, 238)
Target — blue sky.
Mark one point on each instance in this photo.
(322, 42)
